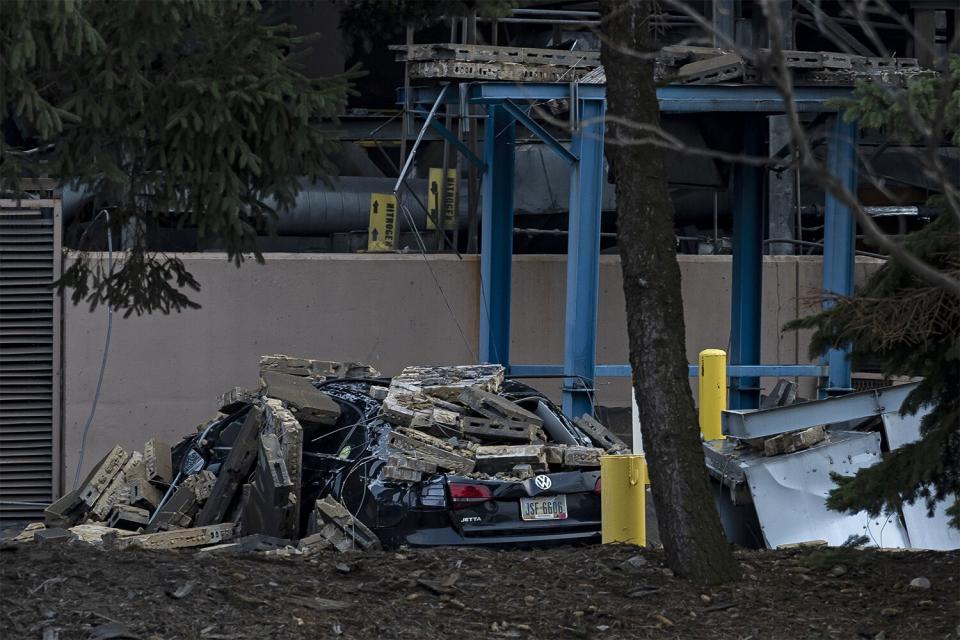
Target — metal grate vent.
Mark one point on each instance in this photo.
(29, 357)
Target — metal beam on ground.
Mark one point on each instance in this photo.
(747, 269)
(496, 241)
(839, 243)
(583, 260)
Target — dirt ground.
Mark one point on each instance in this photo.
(458, 593)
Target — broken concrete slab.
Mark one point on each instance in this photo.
(144, 494)
(280, 422)
(416, 445)
(157, 462)
(94, 533)
(498, 408)
(102, 474)
(499, 430)
(233, 472)
(53, 535)
(124, 516)
(306, 401)
(794, 441)
(235, 399)
(601, 436)
(496, 459)
(316, 369)
(339, 527)
(180, 538)
(554, 453)
(66, 511)
(118, 491)
(447, 383)
(582, 456)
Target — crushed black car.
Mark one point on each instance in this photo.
(334, 454)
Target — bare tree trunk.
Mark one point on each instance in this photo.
(689, 525)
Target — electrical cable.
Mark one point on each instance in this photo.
(446, 302)
(106, 351)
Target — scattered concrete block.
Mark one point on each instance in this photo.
(235, 469)
(554, 453)
(582, 457)
(181, 538)
(601, 436)
(338, 526)
(712, 70)
(124, 516)
(94, 533)
(496, 459)
(28, 532)
(143, 494)
(794, 441)
(313, 543)
(118, 491)
(423, 466)
(157, 462)
(203, 483)
(416, 445)
(53, 535)
(308, 402)
(401, 474)
(498, 408)
(499, 430)
(66, 511)
(235, 399)
(447, 383)
(407, 408)
(316, 369)
(522, 471)
(102, 474)
(179, 511)
(378, 393)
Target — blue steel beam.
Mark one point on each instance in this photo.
(839, 243)
(496, 238)
(455, 141)
(673, 99)
(747, 270)
(583, 260)
(623, 370)
(537, 129)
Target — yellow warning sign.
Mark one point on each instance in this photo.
(449, 198)
(383, 222)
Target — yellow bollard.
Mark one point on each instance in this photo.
(712, 392)
(623, 499)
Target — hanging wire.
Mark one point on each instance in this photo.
(446, 301)
(106, 350)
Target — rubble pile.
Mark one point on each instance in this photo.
(239, 483)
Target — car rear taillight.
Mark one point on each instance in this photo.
(596, 487)
(464, 494)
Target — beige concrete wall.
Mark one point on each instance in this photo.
(164, 373)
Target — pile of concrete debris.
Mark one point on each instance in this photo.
(237, 484)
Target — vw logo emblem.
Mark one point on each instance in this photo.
(543, 482)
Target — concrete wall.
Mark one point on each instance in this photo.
(164, 373)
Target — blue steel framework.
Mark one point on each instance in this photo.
(505, 103)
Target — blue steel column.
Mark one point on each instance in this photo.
(583, 261)
(496, 238)
(839, 243)
(747, 269)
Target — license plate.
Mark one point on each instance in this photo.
(544, 508)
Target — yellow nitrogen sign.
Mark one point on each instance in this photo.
(383, 222)
(449, 198)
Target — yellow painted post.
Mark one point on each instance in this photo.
(623, 499)
(712, 392)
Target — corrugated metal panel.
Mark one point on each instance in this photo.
(29, 357)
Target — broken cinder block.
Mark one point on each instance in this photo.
(157, 462)
(794, 441)
(424, 447)
(446, 383)
(66, 511)
(180, 538)
(271, 507)
(581, 456)
(601, 436)
(308, 402)
(123, 516)
(338, 526)
(235, 399)
(485, 428)
(496, 459)
(118, 491)
(497, 408)
(101, 475)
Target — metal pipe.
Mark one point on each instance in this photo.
(819, 245)
(416, 144)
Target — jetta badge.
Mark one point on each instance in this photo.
(543, 482)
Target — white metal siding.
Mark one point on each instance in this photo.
(30, 260)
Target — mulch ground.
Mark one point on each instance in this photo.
(77, 591)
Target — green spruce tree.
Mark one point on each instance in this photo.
(911, 326)
(188, 113)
